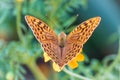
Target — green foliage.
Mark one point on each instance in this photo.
(24, 50)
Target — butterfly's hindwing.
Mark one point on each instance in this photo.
(52, 50)
(70, 51)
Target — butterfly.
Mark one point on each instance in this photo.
(62, 48)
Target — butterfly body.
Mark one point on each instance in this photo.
(62, 49)
(61, 39)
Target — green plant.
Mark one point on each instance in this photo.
(24, 50)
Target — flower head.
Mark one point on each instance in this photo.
(72, 63)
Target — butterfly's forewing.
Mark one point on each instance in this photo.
(78, 37)
(45, 36)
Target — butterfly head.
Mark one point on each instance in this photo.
(61, 39)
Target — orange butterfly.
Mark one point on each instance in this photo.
(62, 49)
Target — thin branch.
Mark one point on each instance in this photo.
(112, 65)
(18, 18)
(75, 75)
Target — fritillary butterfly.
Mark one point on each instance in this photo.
(62, 49)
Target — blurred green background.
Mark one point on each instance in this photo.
(21, 57)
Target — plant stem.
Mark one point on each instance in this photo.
(30, 64)
(35, 70)
(18, 19)
(112, 65)
(75, 75)
(116, 59)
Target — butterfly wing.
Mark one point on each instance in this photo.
(78, 37)
(45, 36)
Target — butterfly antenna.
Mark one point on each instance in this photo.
(55, 24)
(72, 23)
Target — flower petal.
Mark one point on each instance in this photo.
(56, 67)
(73, 64)
(46, 57)
(79, 57)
